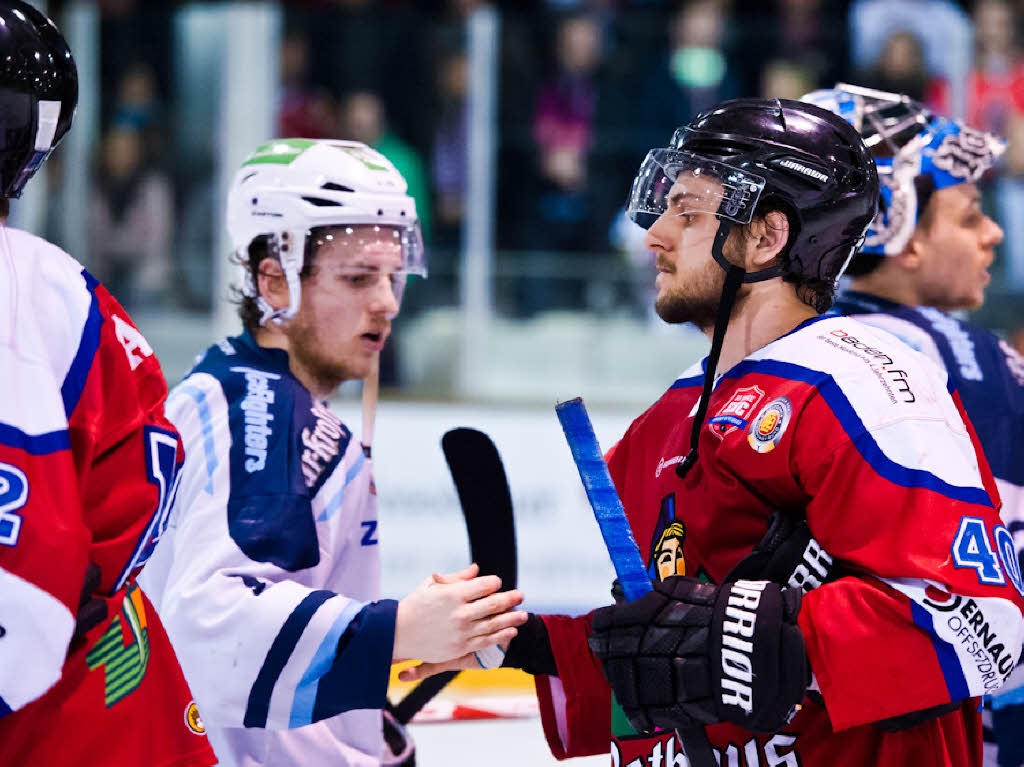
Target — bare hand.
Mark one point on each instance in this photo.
(450, 616)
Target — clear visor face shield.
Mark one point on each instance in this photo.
(369, 256)
(692, 193)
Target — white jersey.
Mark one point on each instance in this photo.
(268, 576)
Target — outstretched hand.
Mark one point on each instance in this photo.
(449, 617)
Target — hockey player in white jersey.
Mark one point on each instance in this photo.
(268, 578)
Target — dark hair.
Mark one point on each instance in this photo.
(259, 250)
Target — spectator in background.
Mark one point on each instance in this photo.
(695, 73)
(941, 28)
(138, 106)
(785, 79)
(995, 103)
(130, 214)
(900, 67)
(449, 163)
(563, 132)
(361, 117)
(786, 38)
(304, 110)
(563, 122)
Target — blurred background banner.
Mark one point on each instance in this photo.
(519, 126)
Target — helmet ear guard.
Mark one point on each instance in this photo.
(38, 92)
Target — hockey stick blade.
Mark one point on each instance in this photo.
(617, 535)
(480, 481)
(482, 487)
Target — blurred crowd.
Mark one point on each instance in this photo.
(586, 87)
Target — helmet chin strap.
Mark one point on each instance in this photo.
(734, 277)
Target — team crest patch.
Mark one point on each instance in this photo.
(192, 719)
(736, 412)
(767, 429)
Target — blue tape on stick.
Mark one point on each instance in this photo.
(611, 517)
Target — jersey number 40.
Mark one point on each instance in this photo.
(973, 549)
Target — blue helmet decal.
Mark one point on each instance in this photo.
(908, 141)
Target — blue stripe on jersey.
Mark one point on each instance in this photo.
(837, 401)
(335, 503)
(35, 444)
(358, 678)
(953, 673)
(305, 693)
(258, 706)
(78, 373)
(682, 383)
(206, 426)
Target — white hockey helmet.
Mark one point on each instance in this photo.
(289, 188)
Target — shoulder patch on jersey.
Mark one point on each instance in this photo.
(192, 719)
(735, 414)
(768, 428)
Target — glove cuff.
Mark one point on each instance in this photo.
(530, 649)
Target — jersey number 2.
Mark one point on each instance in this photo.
(13, 495)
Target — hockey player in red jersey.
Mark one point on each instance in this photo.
(885, 596)
(87, 466)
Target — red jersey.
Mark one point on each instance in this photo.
(849, 426)
(87, 467)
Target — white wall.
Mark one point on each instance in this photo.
(563, 565)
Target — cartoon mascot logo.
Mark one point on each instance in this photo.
(666, 554)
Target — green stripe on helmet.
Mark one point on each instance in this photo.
(366, 158)
(279, 152)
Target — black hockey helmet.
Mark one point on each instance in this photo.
(38, 92)
(764, 154)
(812, 162)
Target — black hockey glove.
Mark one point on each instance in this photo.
(530, 649)
(691, 653)
(789, 556)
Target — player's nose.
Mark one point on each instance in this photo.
(658, 234)
(993, 233)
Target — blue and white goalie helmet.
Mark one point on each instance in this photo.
(916, 151)
(291, 190)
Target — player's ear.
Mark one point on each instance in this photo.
(273, 285)
(769, 236)
(913, 254)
